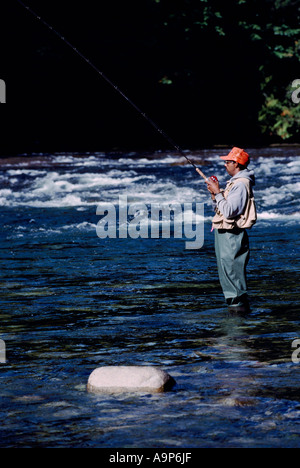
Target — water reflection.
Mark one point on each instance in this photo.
(232, 344)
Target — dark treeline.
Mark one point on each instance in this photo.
(208, 72)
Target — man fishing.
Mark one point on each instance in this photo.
(235, 206)
(235, 212)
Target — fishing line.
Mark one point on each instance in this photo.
(92, 65)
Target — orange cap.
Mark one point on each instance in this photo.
(238, 155)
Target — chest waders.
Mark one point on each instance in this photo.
(232, 252)
(232, 248)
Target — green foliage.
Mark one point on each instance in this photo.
(280, 117)
(270, 31)
(165, 80)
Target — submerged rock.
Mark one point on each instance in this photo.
(238, 401)
(129, 378)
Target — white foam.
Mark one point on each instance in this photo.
(274, 195)
(79, 185)
(81, 226)
(270, 215)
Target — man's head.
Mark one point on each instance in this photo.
(236, 161)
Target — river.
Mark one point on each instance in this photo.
(71, 301)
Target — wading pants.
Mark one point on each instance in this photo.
(232, 252)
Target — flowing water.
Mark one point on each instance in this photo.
(71, 302)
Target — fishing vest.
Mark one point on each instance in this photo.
(244, 221)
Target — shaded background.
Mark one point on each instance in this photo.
(207, 72)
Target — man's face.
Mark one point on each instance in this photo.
(231, 167)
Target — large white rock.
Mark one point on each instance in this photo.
(129, 378)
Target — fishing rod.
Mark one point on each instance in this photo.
(92, 65)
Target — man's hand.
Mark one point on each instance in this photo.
(213, 187)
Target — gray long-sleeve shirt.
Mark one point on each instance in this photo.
(237, 197)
